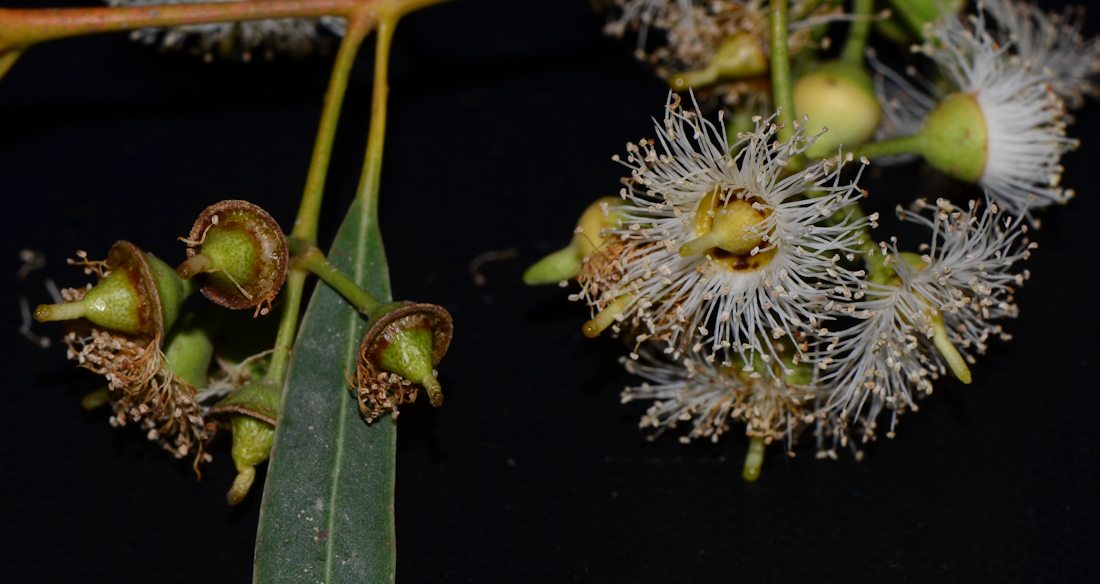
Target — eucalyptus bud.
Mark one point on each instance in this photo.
(253, 411)
(241, 254)
(589, 236)
(839, 96)
(137, 294)
(954, 137)
(740, 55)
(917, 13)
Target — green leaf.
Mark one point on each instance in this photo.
(327, 511)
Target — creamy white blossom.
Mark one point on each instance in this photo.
(789, 232)
(962, 280)
(1025, 121)
(1051, 46)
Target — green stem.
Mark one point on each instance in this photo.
(304, 235)
(892, 147)
(288, 327)
(781, 70)
(858, 32)
(372, 166)
(305, 226)
(309, 257)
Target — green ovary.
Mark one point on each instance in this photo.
(410, 356)
(252, 441)
(233, 251)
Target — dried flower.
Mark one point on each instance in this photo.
(142, 387)
(296, 36)
(712, 397)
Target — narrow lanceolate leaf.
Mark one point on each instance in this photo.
(327, 512)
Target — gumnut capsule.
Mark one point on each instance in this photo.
(399, 352)
(137, 294)
(740, 55)
(241, 254)
(252, 411)
(839, 96)
(566, 262)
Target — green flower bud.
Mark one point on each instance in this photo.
(252, 410)
(139, 295)
(739, 56)
(402, 347)
(841, 97)
(241, 253)
(954, 138)
(189, 349)
(566, 263)
(917, 13)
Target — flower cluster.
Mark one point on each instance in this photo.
(747, 279)
(142, 387)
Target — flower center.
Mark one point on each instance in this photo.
(728, 233)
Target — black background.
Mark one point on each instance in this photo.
(503, 118)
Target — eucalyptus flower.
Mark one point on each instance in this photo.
(923, 314)
(1003, 127)
(720, 248)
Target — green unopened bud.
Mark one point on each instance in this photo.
(252, 410)
(241, 253)
(189, 350)
(954, 138)
(407, 340)
(917, 13)
(141, 295)
(841, 97)
(739, 56)
(566, 262)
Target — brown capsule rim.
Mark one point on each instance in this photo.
(440, 319)
(126, 255)
(233, 299)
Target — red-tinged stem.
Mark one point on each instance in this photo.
(23, 28)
